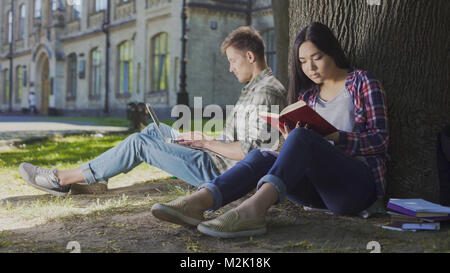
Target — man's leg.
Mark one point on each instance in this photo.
(191, 165)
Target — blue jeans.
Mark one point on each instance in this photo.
(191, 165)
(308, 171)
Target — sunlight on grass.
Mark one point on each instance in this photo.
(22, 206)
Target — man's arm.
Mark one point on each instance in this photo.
(229, 150)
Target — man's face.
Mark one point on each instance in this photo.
(240, 64)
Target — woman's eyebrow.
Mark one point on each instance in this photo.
(312, 55)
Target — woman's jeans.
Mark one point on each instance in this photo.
(308, 171)
(191, 165)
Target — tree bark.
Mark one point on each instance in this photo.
(405, 44)
(280, 11)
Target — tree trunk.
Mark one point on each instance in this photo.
(281, 21)
(405, 44)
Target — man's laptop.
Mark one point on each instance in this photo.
(156, 121)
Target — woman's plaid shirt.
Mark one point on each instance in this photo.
(370, 139)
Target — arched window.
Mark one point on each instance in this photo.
(19, 82)
(271, 50)
(72, 76)
(96, 73)
(125, 68)
(22, 17)
(160, 62)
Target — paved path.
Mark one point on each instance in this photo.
(16, 129)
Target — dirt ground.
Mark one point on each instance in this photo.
(132, 228)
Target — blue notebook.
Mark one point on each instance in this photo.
(419, 208)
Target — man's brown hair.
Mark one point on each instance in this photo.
(245, 39)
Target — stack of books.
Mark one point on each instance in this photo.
(416, 214)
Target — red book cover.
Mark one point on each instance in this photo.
(299, 111)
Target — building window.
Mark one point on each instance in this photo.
(37, 9)
(160, 62)
(100, 5)
(96, 73)
(22, 21)
(125, 68)
(6, 86)
(72, 76)
(19, 83)
(76, 9)
(10, 23)
(271, 51)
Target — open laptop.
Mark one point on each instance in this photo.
(157, 123)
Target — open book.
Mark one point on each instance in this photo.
(299, 111)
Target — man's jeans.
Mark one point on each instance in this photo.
(191, 165)
(309, 171)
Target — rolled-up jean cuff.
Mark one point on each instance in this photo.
(277, 183)
(217, 195)
(87, 173)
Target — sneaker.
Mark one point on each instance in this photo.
(43, 179)
(176, 212)
(231, 225)
(84, 188)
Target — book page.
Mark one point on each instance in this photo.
(292, 107)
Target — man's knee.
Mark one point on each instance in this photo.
(135, 139)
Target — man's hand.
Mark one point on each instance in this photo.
(190, 136)
(202, 144)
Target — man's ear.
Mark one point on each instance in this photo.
(251, 57)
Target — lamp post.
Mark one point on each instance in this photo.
(105, 28)
(11, 51)
(183, 96)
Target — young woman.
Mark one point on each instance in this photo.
(343, 172)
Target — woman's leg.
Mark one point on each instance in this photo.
(241, 178)
(230, 186)
(345, 184)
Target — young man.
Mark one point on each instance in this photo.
(244, 49)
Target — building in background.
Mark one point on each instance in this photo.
(59, 51)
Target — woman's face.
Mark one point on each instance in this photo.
(315, 64)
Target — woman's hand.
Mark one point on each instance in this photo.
(285, 130)
(333, 137)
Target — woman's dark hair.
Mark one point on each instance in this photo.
(323, 38)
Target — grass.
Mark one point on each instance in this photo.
(16, 197)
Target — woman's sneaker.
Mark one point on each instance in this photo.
(43, 179)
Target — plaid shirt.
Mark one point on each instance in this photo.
(369, 141)
(243, 124)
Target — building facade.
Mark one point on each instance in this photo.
(58, 49)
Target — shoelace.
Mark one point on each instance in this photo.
(51, 174)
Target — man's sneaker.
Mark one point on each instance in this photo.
(84, 188)
(43, 179)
